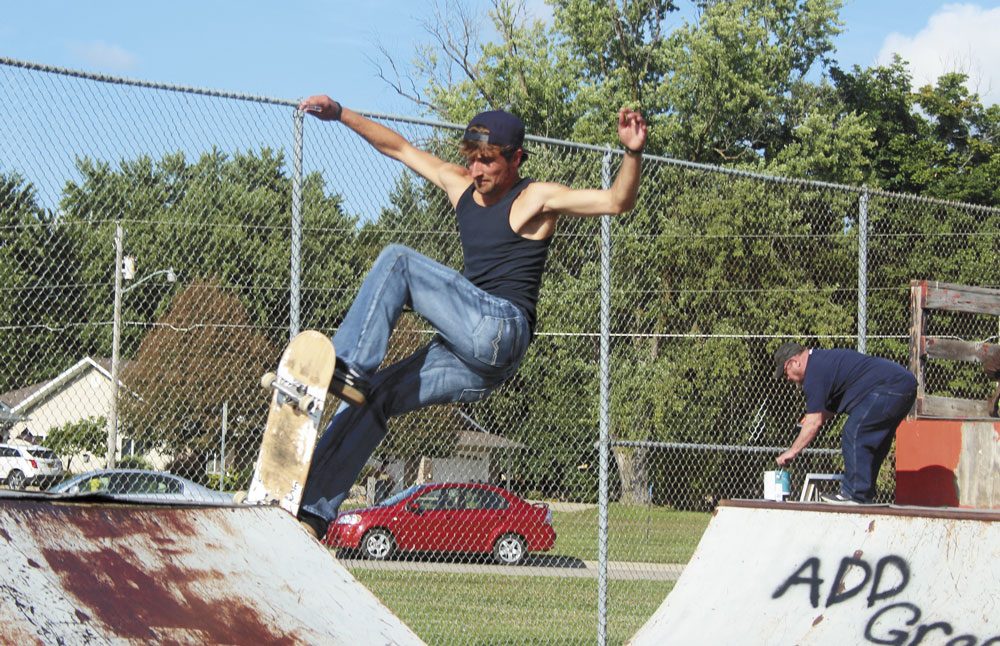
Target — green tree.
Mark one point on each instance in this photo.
(85, 436)
(730, 77)
(38, 271)
(881, 96)
(203, 354)
(826, 145)
(960, 160)
(224, 217)
(527, 71)
(938, 142)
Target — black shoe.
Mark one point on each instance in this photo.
(349, 384)
(839, 499)
(314, 524)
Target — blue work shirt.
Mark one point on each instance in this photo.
(837, 380)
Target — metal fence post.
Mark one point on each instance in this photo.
(605, 407)
(222, 450)
(863, 271)
(295, 252)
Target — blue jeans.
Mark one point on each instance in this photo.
(868, 434)
(479, 343)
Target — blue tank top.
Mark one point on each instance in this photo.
(497, 260)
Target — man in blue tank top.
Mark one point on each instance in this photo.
(484, 317)
(876, 394)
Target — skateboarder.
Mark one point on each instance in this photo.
(876, 394)
(484, 316)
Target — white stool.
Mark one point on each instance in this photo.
(810, 491)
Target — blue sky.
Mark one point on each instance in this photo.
(286, 50)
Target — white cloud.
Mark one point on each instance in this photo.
(958, 38)
(105, 57)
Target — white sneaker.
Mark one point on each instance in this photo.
(839, 499)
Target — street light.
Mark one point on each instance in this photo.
(124, 268)
(171, 278)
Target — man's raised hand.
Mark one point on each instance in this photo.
(631, 129)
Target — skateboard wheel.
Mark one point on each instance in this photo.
(307, 403)
(268, 380)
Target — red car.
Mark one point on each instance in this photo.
(449, 517)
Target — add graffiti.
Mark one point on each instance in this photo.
(895, 624)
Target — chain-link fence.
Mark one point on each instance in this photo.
(159, 245)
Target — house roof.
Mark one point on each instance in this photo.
(12, 398)
(481, 440)
(479, 437)
(23, 398)
(7, 415)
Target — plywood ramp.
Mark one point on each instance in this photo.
(811, 574)
(99, 573)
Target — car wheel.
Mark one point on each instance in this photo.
(378, 544)
(509, 549)
(15, 479)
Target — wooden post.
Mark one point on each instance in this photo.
(918, 295)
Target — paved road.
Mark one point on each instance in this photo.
(534, 565)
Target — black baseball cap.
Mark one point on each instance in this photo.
(504, 129)
(783, 354)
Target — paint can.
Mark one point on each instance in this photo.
(777, 485)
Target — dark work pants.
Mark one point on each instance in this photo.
(868, 435)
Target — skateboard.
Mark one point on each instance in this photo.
(299, 393)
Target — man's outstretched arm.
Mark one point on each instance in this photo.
(451, 178)
(621, 196)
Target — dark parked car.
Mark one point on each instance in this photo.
(450, 517)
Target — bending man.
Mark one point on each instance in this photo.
(875, 393)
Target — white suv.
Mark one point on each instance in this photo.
(25, 465)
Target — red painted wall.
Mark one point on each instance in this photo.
(927, 456)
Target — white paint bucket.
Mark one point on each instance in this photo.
(776, 485)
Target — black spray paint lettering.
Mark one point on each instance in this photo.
(909, 614)
(808, 574)
(896, 624)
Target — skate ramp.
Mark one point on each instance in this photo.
(809, 574)
(103, 573)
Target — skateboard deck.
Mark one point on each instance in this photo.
(299, 393)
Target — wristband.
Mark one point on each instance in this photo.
(635, 153)
(340, 111)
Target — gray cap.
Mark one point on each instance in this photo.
(783, 354)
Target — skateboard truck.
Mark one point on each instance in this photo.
(294, 391)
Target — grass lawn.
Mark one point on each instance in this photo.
(452, 609)
(635, 533)
(487, 609)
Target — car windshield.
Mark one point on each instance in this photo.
(92, 482)
(45, 454)
(100, 482)
(406, 493)
(143, 483)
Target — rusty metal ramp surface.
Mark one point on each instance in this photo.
(809, 574)
(84, 573)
